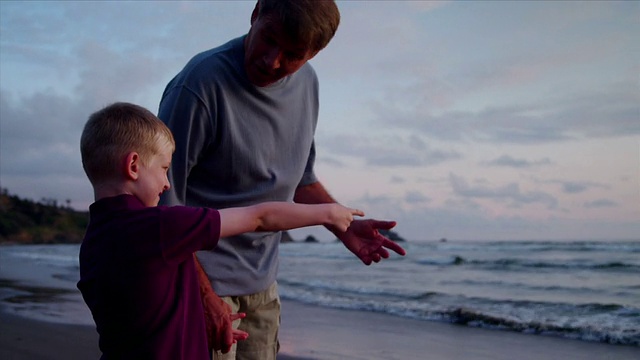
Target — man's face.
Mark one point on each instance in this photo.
(270, 54)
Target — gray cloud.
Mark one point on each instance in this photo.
(577, 86)
(509, 193)
(612, 113)
(508, 161)
(39, 147)
(464, 219)
(416, 197)
(600, 203)
(418, 77)
(391, 151)
(574, 187)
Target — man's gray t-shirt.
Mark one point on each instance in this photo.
(237, 145)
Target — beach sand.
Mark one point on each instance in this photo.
(328, 334)
(310, 332)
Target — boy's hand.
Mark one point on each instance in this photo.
(341, 217)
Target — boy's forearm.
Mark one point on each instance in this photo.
(269, 216)
(279, 216)
(315, 193)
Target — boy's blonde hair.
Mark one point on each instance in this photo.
(116, 130)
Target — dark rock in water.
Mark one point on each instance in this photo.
(443, 240)
(310, 239)
(286, 238)
(392, 235)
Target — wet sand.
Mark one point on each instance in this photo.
(331, 334)
(35, 314)
(310, 332)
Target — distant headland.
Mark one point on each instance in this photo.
(24, 221)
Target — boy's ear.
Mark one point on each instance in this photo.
(132, 166)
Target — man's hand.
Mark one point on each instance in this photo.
(218, 320)
(364, 240)
(362, 236)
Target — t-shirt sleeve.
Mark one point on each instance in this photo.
(188, 119)
(309, 176)
(185, 230)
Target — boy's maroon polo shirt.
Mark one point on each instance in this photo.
(138, 277)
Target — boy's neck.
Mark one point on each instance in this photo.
(111, 189)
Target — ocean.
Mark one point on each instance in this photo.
(587, 290)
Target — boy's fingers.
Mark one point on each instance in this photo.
(357, 212)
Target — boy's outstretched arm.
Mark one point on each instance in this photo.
(279, 216)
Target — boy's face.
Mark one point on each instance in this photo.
(270, 55)
(153, 181)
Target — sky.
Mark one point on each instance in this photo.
(465, 120)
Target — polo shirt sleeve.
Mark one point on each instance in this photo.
(185, 230)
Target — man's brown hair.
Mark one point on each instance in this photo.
(314, 22)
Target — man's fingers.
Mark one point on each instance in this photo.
(392, 245)
(385, 225)
(365, 256)
(237, 316)
(239, 335)
(382, 252)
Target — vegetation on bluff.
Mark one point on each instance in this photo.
(24, 221)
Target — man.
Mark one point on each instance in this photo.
(244, 116)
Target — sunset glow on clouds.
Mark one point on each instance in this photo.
(465, 120)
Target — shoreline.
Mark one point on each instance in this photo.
(33, 310)
(333, 334)
(310, 332)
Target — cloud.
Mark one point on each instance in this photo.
(463, 219)
(415, 197)
(574, 187)
(395, 150)
(600, 203)
(40, 147)
(508, 161)
(509, 193)
(518, 87)
(414, 101)
(568, 118)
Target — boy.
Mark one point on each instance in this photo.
(137, 271)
